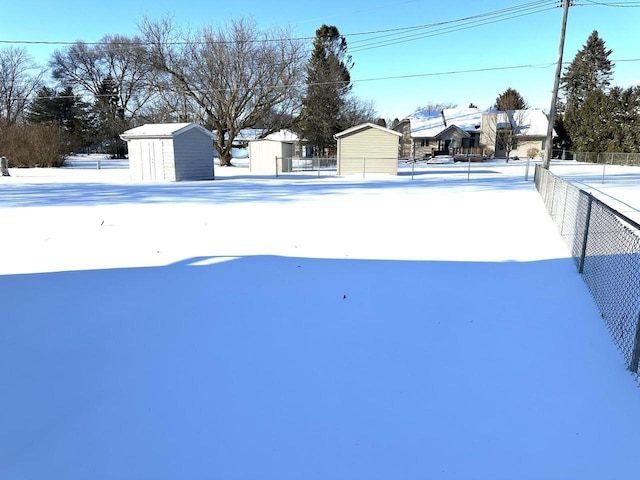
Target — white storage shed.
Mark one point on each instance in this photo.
(272, 154)
(170, 152)
(367, 149)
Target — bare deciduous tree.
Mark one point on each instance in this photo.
(112, 75)
(20, 78)
(119, 60)
(238, 77)
(510, 122)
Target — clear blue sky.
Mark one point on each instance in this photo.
(399, 74)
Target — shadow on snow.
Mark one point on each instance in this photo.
(312, 368)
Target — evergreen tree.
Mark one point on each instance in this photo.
(585, 83)
(588, 125)
(44, 107)
(62, 108)
(328, 84)
(590, 70)
(510, 99)
(111, 115)
(624, 122)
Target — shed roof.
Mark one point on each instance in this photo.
(162, 130)
(365, 126)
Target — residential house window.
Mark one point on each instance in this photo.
(424, 142)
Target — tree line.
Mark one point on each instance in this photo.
(595, 116)
(226, 78)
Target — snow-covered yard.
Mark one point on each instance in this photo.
(425, 326)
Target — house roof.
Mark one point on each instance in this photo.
(435, 123)
(430, 123)
(452, 131)
(162, 130)
(283, 136)
(365, 126)
(527, 123)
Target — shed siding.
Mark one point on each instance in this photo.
(168, 160)
(135, 160)
(263, 153)
(191, 157)
(368, 151)
(146, 159)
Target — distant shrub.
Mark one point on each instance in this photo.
(488, 152)
(39, 145)
(533, 152)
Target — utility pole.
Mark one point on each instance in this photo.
(556, 87)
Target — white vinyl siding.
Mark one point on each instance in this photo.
(170, 152)
(263, 154)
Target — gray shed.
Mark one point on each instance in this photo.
(170, 151)
(368, 148)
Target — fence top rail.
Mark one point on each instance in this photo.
(635, 225)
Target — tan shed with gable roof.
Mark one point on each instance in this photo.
(367, 149)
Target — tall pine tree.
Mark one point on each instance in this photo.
(590, 70)
(585, 84)
(328, 84)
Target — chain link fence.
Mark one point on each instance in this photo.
(606, 248)
(610, 158)
(314, 164)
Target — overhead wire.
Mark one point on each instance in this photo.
(392, 36)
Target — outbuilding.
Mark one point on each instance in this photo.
(272, 154)
(367, 149)
(170, 151)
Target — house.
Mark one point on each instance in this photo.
(368, 148)
(273, 153)
(471, 131)
(428, 133)
(528, 128)
(170, 152)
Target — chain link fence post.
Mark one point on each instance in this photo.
(635, 357)
(585, 235)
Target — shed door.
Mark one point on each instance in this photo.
(151, 155)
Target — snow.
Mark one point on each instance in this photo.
(429, 325)
(157, 129)
(283, 135)
(429, 123)
(528, 123)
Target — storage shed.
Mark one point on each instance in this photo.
(368, 148)
(272, 154)
(170, 151)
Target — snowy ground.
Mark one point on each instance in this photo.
(425, 326)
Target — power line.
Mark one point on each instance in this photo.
(464, 25)
(476, 17)
(613, 4)
(377, 79)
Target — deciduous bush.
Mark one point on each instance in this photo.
(33, 145)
